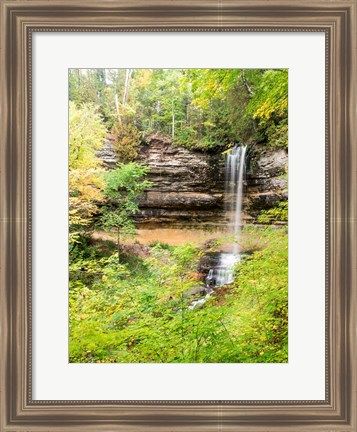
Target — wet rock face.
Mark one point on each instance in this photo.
(188, 185)
(208, 261)
(176, 169)
(269, 163)
(180, 200)
(266, 181)
(107, 153)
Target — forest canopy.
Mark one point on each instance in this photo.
(207, 109)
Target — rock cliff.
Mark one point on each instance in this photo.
(189, 185)
(266, 180)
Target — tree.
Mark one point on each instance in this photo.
(127, 139)
(86, 86)
(124, 185)
(159, 100)
(269, 105)
(207, 109)
(270, 100)
(86, 136)
(220, 96)
(103, 88)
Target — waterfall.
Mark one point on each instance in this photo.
(234, 177)
(223, 273)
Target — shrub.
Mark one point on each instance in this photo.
(275, 214)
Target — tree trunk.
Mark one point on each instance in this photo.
(173, 120)
(117, 107)
(118, 245)
(126, 85)
(246, 85)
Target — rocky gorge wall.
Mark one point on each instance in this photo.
(189, 185)
(266, 180)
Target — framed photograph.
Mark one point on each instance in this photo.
(178, 215)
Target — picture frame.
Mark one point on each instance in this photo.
(19, 21)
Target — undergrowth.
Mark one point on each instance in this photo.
(137, 310)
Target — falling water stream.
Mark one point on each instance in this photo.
(222, 274)
(233, 197)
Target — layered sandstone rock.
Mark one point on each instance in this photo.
(188, 186)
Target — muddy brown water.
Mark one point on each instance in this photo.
(170, 236)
